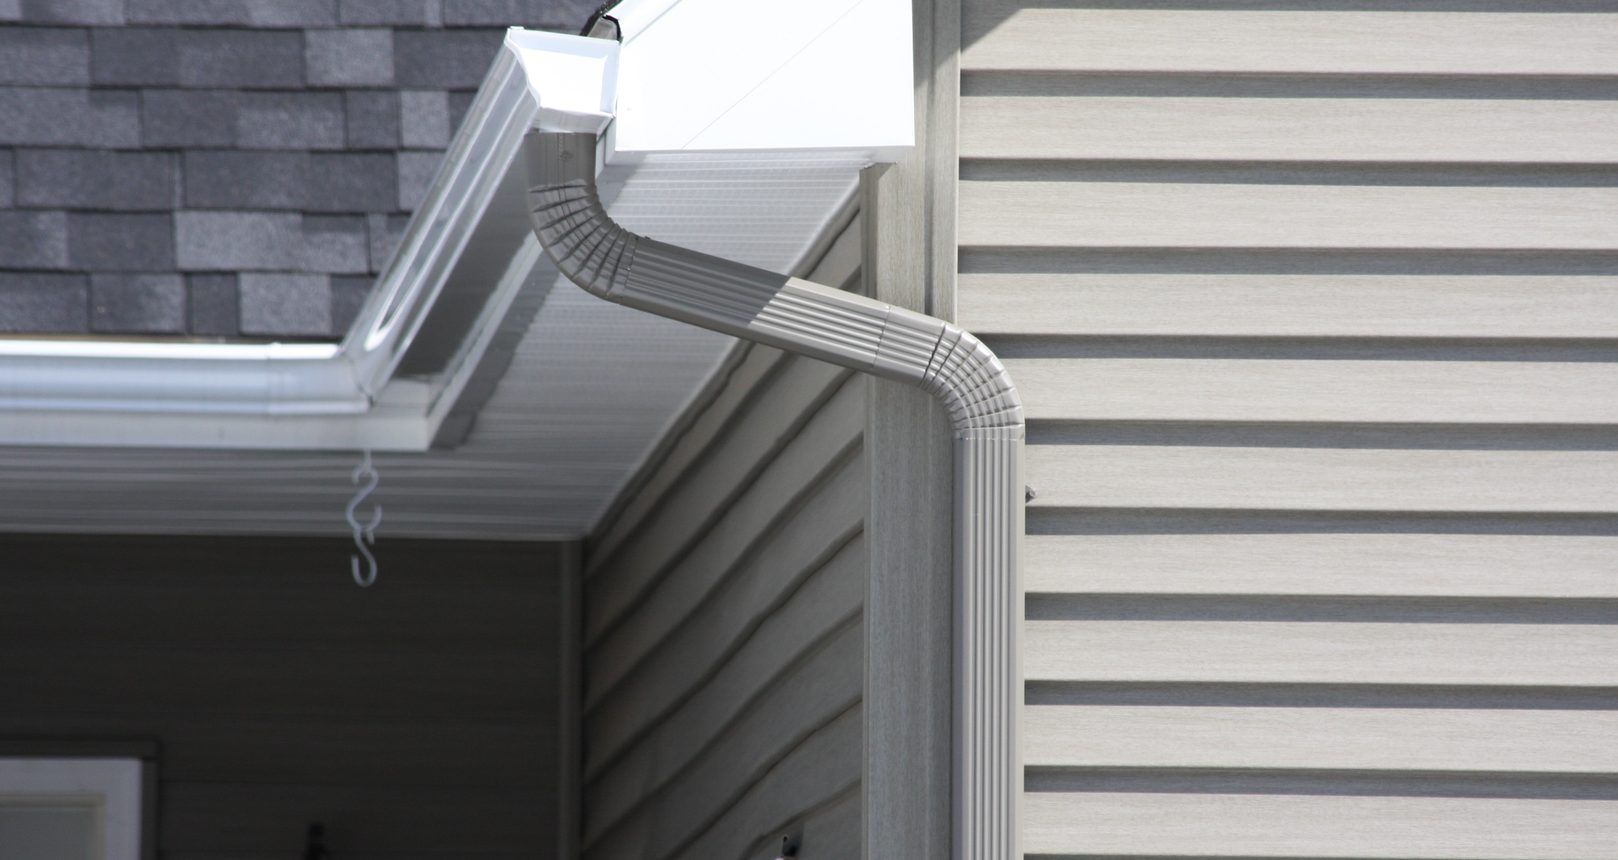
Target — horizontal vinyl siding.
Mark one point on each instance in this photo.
(1314, 313)
(1286, 38)
(1281, 131)
(724, 643)
(1033, 213)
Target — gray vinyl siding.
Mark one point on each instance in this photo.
(416, 718)
(723, 659)
(1313, 311)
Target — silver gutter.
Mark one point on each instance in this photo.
(441, 229)
(101, 379)
(873, 337)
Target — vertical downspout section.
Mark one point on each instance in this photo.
(809, 319)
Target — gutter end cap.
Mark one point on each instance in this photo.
(572, 79)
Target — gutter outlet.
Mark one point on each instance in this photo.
(817, 321)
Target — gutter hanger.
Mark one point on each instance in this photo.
(877, 338)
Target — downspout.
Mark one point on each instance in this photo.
(874, 337)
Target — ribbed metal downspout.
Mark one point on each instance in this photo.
(809, 319)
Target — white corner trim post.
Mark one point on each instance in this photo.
(874, 337)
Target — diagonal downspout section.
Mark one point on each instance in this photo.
(874, 337)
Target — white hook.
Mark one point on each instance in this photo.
(366, 533)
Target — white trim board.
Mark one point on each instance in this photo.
(112, 786)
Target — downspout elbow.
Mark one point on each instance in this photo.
(955, 367)
(608, 261)
(585, 244)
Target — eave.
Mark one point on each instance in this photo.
(785, 112)
(520, 406)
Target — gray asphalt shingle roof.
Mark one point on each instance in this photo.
(224, 168)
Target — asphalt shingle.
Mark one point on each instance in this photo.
(213, 305)
(189, 117)
(73, 11)
(135, 55)
(384, 232)
(408, 13)
(44, 55)
(373, 119)
(424, 119)
(443, 59)
(301, 120)
(255, 13)
(335, 243)
(459, 104)
(289, 177)
(250, 59)
(101, 241)
(348, 294)
(31, 116)
(95, 179)
(42, 302)
(568, 15)
(351, 182)
(349, 57)
(416, 170)
(162, 56)
(230, 241)
(245, 179)
(282, 304)
(288, 13)
(33, 239)
(137, 303)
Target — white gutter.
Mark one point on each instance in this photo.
(89, 392)
(238, 379)
(365, 391)
(293, 396)
(415, 275)
(809, 319)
